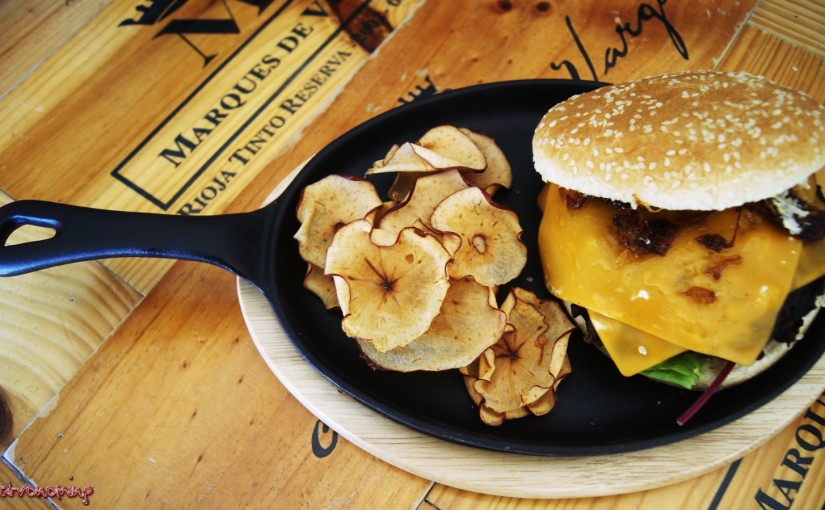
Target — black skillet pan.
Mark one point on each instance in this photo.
(598, 411)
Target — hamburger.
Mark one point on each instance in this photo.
(682, 222)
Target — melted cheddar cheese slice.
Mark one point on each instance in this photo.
(811, 264)
(693, 298)
(630, 349)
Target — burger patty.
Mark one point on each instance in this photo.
(791, 317)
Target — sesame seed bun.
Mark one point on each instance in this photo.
(698, 140)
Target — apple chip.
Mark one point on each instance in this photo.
(498, 173)
(325, 206)
(389, 294)
(469, 323)
(402, 158)
(321, 285)
(427, 193)
(447, 146)
(403, 185)
(520, 373)
(491, 249)
(487, 415)
(415, 277)
(379, 213)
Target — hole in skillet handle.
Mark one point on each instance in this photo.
(28, 233)
(22, 226)
(21, 229)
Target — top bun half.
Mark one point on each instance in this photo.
(699, 140)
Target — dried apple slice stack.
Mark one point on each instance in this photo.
(416, 277)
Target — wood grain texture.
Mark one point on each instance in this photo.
(35, 30)
(697, 493)
(8, 477)
(798, 22)
(53, 320)
(520, 40)
(137, 93)
(786, 471)
(525, 39)
(763, 53)
(50, 323)
(178, 409)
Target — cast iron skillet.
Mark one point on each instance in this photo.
(598, 410)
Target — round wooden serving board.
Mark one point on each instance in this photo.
(510, 474)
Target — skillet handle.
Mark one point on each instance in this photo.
(236, 242)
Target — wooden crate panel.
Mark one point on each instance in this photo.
(34, 30)
(50, 323)
(798, 22)
(178, 409)
(11, 497)
(177, 111)
(760, 52)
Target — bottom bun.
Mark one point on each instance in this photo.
(801, 310)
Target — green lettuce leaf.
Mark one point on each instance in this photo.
(682, 370)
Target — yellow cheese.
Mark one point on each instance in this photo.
(634, 351)
(718, 303)
(630, 349)
(811, 264)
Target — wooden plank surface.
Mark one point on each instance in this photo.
(202, 120)
(34, 31)
(762, 53)
(176, 408)
(181, 401)
(11, 481)
(798, 22)
(50, 323)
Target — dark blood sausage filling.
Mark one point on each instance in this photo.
(643, 231)
(811, 223)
